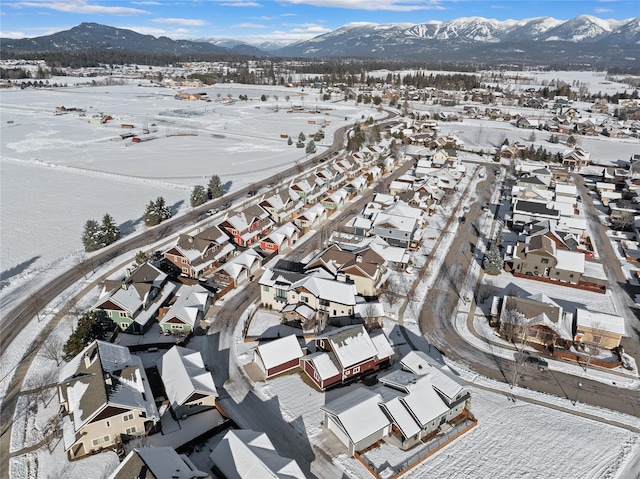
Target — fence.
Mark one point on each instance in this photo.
(427, 450)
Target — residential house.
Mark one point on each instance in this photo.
(535, 319)
(239, 269)
(131, 304)
(280, 239)
(187, 383)
(310, 218)
(417, 401)
(160, 462)
(243, 453)
(576, 158)
(247, 226)
(598, 329)
(185, 314)
(356, 419)
(344, 354)
(539, 255)
(198, 254)
(278, 356)
(364, 267)
(106, 399)
(398, 224)
(281, 206)
(335, 200)
(528, 211)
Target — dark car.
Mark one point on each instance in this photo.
(537, 362)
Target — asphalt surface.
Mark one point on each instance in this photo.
(439, 310)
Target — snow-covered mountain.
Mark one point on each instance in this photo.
(584, 39)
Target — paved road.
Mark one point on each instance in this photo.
(439, 309)
(236, 392)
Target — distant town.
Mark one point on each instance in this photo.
(366, 275)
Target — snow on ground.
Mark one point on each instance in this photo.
(58, 171)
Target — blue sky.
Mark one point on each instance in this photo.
(276, 20)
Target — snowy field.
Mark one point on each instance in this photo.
(58, 171)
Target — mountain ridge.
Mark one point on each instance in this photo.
(585, 40)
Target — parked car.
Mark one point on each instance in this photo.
(537, 362)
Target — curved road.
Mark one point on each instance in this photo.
(440, 307)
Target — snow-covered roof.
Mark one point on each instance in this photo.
(324, 364)
(335, 291)
(105, 374)
(351, 345)
(402, 417)
(600, 321)
(191, 301)
(570, 260)
(279, 351)
(248, 454)
(423, 401)
(359, 413)
(183, 373)
(161, 461)
(384, 348)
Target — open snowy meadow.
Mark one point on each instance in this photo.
(60, 169)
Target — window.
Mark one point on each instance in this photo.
(124, 325)
(324, 302)
(544, 260)
(571, 275)
(265, 288)
(185, 270)
(321, 343)
(304, 299)
(130, 430)
(107, 423)
(557, 273)
(281, 293)
(184, 260)
(356, 370)
(123, 314)
(100, 440)
(128, 417)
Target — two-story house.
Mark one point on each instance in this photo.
(247, 226)
(106, 398)
(344, 354)
(132, 303)
(197, 255)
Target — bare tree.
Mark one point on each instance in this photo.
(36, 304)
(52, 349)
(41, 383)
(84, 264)
(486, 291)
(514, 325)
(391, 292)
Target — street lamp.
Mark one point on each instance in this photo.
(577, 392)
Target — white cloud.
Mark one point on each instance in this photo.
(372, 5)
(77, 6)
(187, 22)
(249, 25)
(298, 33)
(240, 3)
(603, 10)
(146, 3)
(15, 35)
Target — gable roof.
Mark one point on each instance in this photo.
(190, 303)
(279, 351)
(351, 345)
(358, 413)
(183, 373)
(162, 462)
(247, 454)
(105, 374)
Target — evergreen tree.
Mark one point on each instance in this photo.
(151, 216)
(311, 147)
(91, 326)
(199, 196)
(92, 236)
(215, 187)
(571, 141)
(493, 260)
(301, 137)
(140, 259)
(110, 230)
(163, 210)
(290, 141)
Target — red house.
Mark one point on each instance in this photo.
(247, 226)
(282, 238)
(344, 354)
(278, 356)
